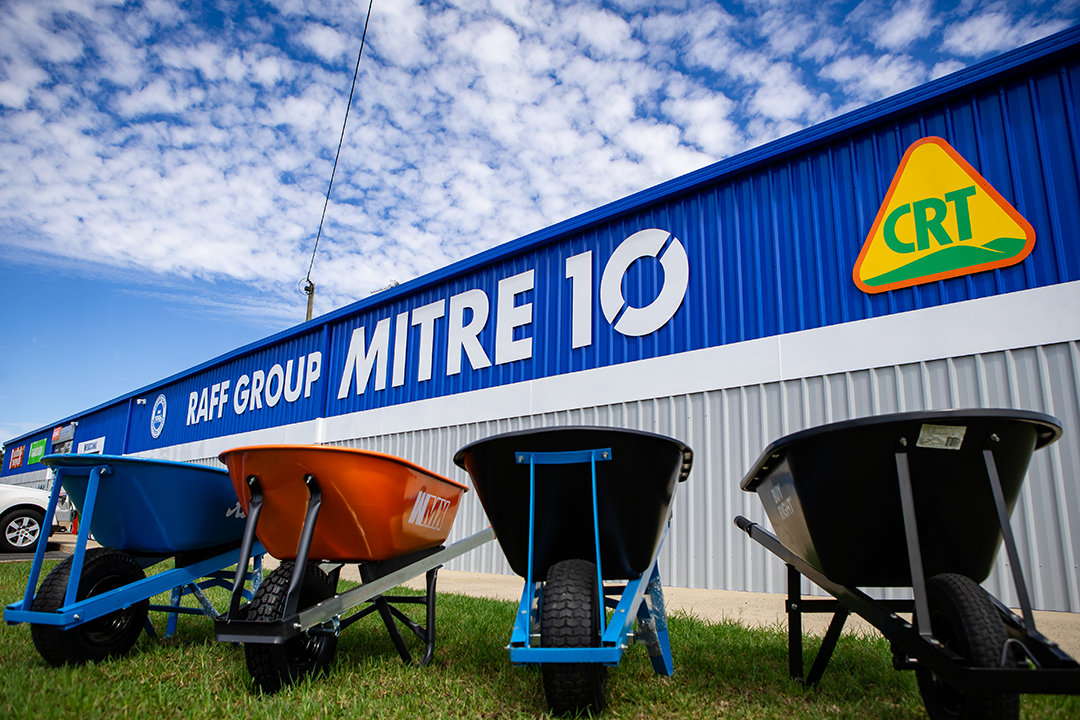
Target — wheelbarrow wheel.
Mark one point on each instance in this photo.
(570, 618)
(276, 666)
(964, 620)
(111, 635)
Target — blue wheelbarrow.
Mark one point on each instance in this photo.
(95, 603)
(574, 508)
(915, 500)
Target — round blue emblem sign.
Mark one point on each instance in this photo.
(157, 417)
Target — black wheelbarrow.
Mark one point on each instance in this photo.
(573, 508)
(919, 500)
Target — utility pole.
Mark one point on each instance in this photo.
(309, 290)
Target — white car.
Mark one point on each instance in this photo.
(22, 512)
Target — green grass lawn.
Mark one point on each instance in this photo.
(721, 670)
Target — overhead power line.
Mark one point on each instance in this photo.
(307, 286)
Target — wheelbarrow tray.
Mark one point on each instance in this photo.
(146, 506)
(143, 512)
(634, 491)
(828, 485)
(374, 506)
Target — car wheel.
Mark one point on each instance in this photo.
(20, 529)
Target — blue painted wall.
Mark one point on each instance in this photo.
(770, 238)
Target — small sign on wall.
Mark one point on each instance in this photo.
(37, 451)
(92, 447)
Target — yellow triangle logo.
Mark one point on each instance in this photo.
(940, 219)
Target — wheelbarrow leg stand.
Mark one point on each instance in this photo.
(879, 613)
(796, 605)
(794, 626)
(652, 626)
(195, 588)
(391, 616)
(429, 641)
(387, 605)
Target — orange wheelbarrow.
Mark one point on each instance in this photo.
(318, 508)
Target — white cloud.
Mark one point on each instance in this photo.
(490, 44)
(870, 78)
(707, 123)
(158, 96)
(996, 31)
(605, 34)
(139, 138)
(978, 35)
(944, 68)
(785, 30)
(781, 95)
(907, 24)
(822, 48)
(15, 92)
(711, 43)
(398, 32)
(326, 42)
(35, 26)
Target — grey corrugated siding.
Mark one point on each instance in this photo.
(776, 228)
(729, 428)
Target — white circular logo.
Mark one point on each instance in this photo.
(638, 321)
(157, 417)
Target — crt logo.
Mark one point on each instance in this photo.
(940, 219)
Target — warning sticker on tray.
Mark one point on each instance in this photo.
(941, 437)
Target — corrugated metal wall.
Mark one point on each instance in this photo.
(728, 429)
(771, 236)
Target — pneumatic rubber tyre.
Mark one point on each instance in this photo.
(570, 618)
(964, 620)
(276, 666)
(20, 530)
(108, 636)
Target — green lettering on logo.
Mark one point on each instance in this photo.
(929, 216)
(896, 244)
(927, 224)
(959, 200)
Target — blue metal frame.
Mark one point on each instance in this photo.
(190, 579)
(792, 214)
(640, 600)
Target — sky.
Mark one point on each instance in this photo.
(164, 165)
